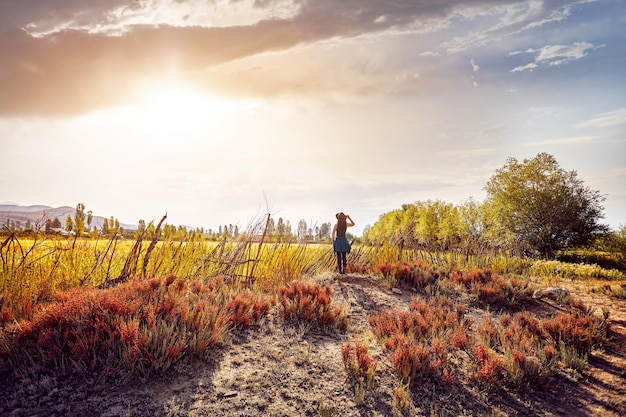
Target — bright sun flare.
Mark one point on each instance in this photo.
(176, 107)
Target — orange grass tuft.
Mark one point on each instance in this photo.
(312, 303)
(138, 328)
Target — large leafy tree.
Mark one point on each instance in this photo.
(545, 207)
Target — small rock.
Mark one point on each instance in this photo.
(396, 291)
(553, 293)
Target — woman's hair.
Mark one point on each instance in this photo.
(341, 219)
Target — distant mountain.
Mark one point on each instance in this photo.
(17, 207)
(38, 214)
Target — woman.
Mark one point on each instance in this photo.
(341, 245)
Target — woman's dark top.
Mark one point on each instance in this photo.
(341, 228)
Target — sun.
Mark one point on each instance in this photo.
(175, 107)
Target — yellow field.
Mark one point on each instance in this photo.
(33, 270)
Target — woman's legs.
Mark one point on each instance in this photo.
(342, 262)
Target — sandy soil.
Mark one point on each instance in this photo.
(273, 370)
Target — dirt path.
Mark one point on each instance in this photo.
(275, 370)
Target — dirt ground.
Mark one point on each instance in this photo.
(273, 370)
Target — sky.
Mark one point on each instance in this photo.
(218, 112)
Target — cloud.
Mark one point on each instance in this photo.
(529, 67)
(467, 153)
(564, 141)
(511, 17)
(64, 57)
(555, 55)
(604, 120)
(475, 67)
(430, 53)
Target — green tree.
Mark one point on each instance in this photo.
(79, 219)
(302, 230)
(69, 223)
(325, 230)
(151, 229)
(141, 227)
(89, 219)
(280, 227)
(545, 207)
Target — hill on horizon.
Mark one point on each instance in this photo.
(38, 214)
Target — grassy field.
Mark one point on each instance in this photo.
(125, 309)
(34, 270)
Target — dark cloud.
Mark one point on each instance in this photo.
(47, 13)
(73, 70)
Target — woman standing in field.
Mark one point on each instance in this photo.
(341, 245)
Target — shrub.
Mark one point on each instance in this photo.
(458, 339)
(467, 278)
(488, 365)
(413, 274)
(487, 331)
(245, 308)
(353, 268)
(567, 270)
(418, 340)
(311, 303)
(357, 363)
(138, 328)
(577, 330)
(491, 289)
(528, 350)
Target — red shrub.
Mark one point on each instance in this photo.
(487, 331)
(6, 316)
(488, 365)
(414, 274)
(410, 358)
(492, 289)
(357, 362)
(137, 327)
(417, 339)
(312, 303)
(468, 277)
(352, 268)
(458, 339)
(580, 331)
(245, 308)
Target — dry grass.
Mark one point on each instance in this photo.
(460, 330)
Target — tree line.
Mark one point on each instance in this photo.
(533, 208)
(81, 224)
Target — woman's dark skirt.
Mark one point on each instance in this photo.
(341, 244)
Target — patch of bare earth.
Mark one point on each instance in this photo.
(292, 370)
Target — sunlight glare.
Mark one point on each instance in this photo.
(175, 108)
